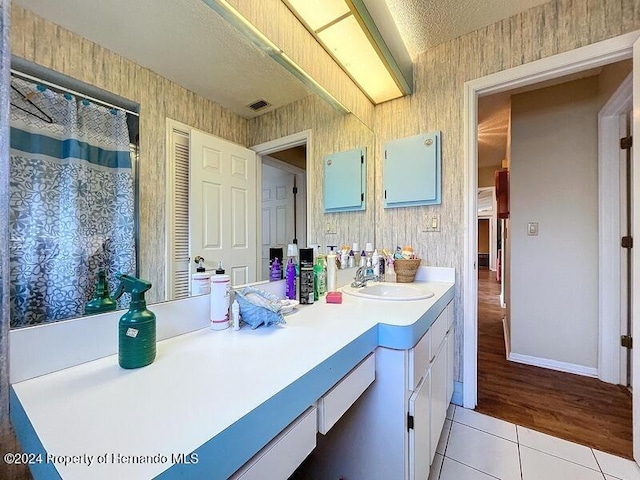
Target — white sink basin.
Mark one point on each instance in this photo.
(390, 291)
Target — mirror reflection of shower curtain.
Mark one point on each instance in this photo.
(71, 202)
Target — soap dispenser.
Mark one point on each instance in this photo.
(101, 301)
(137, 327)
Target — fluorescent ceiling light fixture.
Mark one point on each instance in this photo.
(347, 32)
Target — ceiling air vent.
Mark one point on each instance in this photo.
(259, 105)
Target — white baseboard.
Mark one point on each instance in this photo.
(554, 365)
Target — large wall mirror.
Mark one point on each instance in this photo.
(178, 59)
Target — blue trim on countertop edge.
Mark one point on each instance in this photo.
(406, 337)
(29, 441)
(221, 456)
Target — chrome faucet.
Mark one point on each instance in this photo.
(362, 278)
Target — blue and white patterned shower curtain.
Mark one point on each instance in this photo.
(71, 202)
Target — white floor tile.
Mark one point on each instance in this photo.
(485, 423)
(452, 470)
(485, 452)
(444, 437)
(450, 411)
(538, 465)
(436, 466)
(617, 466)
(557, 447)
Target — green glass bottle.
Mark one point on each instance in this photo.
(137, 327)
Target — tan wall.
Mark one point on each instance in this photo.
(483, 236)
(331, 132)
(437, 104)
(554, 182)
(49, 45)
(486, 176)
(610, 79)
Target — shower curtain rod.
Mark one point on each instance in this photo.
(73, 92)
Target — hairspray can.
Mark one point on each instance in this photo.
(306, 275)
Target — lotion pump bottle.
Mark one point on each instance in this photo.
(137, 327)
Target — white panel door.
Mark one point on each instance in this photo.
(222, 204)
(419, 436)
(277, 212)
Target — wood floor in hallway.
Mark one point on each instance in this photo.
(579, 409)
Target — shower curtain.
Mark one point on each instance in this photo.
(71, 202)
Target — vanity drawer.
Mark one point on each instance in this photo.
(337, 401)
(280, 458)
(419, 357)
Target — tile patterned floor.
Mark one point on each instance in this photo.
(478, 447)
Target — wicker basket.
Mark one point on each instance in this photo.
(406, 269)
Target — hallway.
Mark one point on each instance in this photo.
(579, 409)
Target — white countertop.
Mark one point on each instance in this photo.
(203, 383)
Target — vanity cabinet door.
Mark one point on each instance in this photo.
(450, 360)
(419, 436)
(439, 402)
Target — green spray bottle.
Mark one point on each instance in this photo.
(137, 327)
(101, 301)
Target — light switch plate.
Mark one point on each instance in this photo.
(532, 229)
(431, 222)
(331, 228)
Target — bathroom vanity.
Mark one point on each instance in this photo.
(254, 403)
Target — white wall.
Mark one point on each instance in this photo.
(554, 276)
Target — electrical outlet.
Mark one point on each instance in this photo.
(431, 222)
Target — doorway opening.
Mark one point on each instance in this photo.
(283, 201)
(560, 65)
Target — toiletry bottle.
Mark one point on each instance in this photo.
(319, 278)
(322, 288)
(101, 301)
(235, 315)
(276, 271)
(291, 280)
(344, 258)
(352, 259)
(137, 327)
(375, 263)
(363, 259)
(306, 276)
(219, 302)
(368, 252)
(332, 271)
(200, 280)
(390, 273)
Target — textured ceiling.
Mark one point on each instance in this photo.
(427, 23)
(182, 40)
